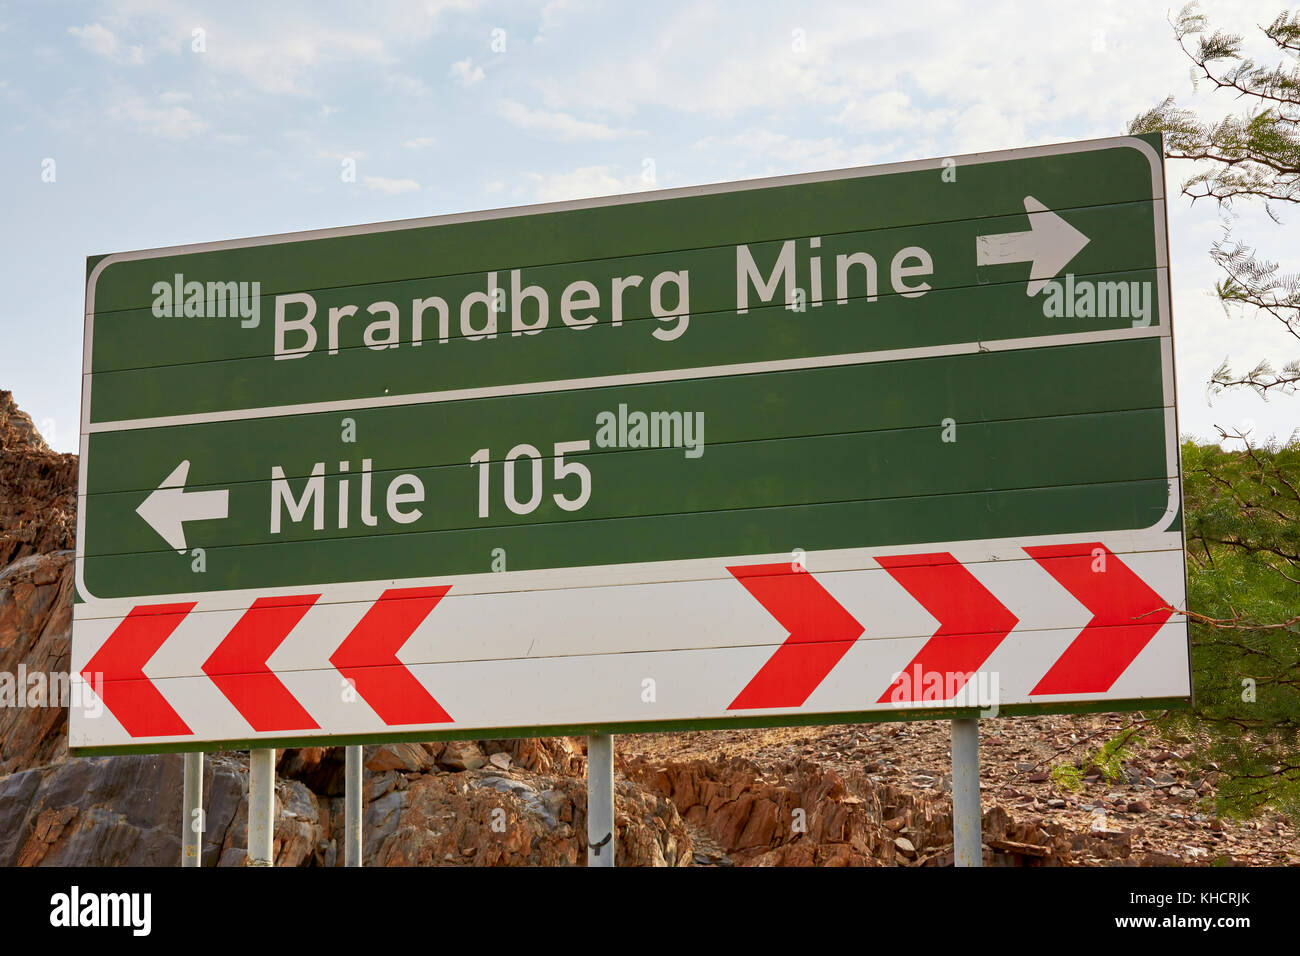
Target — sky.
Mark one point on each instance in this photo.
(132, 124)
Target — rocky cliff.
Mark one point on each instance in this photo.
(38, 489)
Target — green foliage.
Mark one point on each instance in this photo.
(1068, 778)
(1243, 543)
(1242, 508)
(1109, 759)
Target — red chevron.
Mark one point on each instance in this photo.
(238, 665)
(821, 633)
(116, 672)
(972, 623)
(1126, 614)
(368, 657)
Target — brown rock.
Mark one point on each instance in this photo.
(47, 830)
(38, 489)
(1023, 849)
(126, 811)
(35, 638)
(321, 769)
(545, 754)
(814, 817)
(403, 757)
(494, 821)
(462, 755)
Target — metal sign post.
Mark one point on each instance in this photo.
(967, 842)
(352, 807)
(192, 810)
(261, 807)
(600, 800)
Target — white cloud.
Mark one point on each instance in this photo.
(776, 153)
(583, 183)
(920, 73)
(101, 40)
(704, 59)
(169, 120)
(282, 48)
(289, 48)
(560, 125)
(391, 187)
(465, 72)
(408, 85)
(420, 142)
(891, 110)
(987, 126)
(339, 156)
(279, 63)
(555, 11)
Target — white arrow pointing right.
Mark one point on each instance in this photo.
(1050, 244)
(169, 506)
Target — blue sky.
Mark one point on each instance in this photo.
(177, 122)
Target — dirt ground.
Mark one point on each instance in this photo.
(1162, 800)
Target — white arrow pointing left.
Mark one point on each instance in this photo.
(169, 506)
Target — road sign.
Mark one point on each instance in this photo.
(843, 445)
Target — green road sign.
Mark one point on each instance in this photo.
(640, 389)
(750, 321)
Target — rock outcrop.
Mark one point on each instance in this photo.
(495, 817)
(126, 811)
(38, 489)
(811, 815)
(38, 517)
(35, 638)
